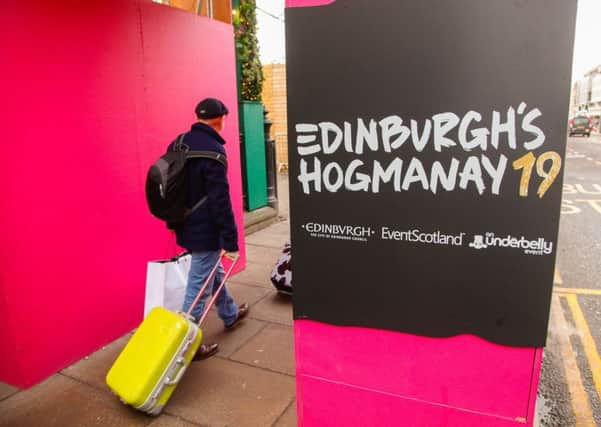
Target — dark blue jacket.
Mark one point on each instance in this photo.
(211, 227)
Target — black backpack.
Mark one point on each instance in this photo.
(167, 183)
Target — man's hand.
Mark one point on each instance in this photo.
(231, 255)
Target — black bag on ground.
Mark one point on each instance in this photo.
(281, 276)
(167, 183)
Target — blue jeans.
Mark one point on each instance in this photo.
(200, 268)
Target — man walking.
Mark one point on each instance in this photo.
(210, 229)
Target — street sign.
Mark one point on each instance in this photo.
(426, 146)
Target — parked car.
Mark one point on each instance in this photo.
(581, 125)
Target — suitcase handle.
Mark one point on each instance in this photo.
(216, 294)
(180, 373)
(206, 284)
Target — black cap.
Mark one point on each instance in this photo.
(210, 108)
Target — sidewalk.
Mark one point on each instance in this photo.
(250, 382)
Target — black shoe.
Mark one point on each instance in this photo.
(205, 351)
(242, 313)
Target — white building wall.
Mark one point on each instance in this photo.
(596, 88)
(584, 91)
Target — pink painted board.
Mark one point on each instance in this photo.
(92, 94)
(210, 72)
(328, 404)
(536, 372)
(464, 373)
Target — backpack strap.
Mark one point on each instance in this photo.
(179, 142)
(180, 146)
(196, 206)
(204, 155)
(207, 155)
(214, 155)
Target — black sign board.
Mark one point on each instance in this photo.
(426, 144)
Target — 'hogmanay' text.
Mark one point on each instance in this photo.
(483, 170)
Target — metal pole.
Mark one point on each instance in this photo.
(270, 162)
(210, 8)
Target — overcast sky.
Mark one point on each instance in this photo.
(587, 48)
(271, 31)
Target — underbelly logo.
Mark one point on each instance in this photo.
(337, 231)
(478, 242)
(531, 247)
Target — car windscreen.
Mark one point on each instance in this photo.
(580, 121)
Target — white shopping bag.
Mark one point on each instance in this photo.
(166, 283)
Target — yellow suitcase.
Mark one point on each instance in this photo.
(154, 360)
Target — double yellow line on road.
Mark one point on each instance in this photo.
(580, 400)
(577, 291)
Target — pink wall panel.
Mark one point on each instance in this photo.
(189, 78)
(454, 376)
(7, 339)
(328, 404)
(93, 93)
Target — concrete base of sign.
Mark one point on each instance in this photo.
(364, 377)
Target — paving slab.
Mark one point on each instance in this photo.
(64, 402)
(230, 341)
(92, 370)
(289, 417)
(283, 195)
(265, 255)
(7, 390)
(250, 294)
(255, 275)
(220, 393)
(281, 231)
(274, 236)
(282, 227)
(275, 308)
(272, 348)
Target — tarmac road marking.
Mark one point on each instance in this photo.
(580, 402)
(590, 348)
(577, 291)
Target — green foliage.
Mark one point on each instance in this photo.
(247, 48)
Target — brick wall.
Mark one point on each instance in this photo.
(274, 98)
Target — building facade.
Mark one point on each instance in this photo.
(586, 95)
